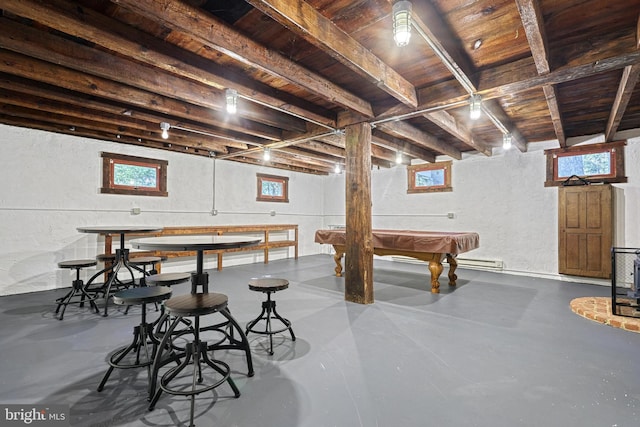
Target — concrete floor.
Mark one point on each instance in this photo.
(499, 350)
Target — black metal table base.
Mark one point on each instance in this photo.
(196, 353)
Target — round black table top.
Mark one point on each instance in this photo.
(119, 229)
(193, 243)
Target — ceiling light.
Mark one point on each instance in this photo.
(475, 106)
(506, 141)
(231, 95)
(398, 157)
(165, 129)
(477, 44)
(337, 168)
(267, 154)
(402, 22)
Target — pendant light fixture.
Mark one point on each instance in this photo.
(475, 106)
(165, 129)
(398, 157)
(266, 155)
(401, 22)
(506, 141)
(231, 96)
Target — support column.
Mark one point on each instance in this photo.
(358, 283)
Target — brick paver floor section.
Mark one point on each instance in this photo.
(598, 309)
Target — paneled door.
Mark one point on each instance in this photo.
(585, 230)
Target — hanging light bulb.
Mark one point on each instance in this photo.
(398, 157)
(337, 168)
(475, 106)
(231, 95)
(267, 154)
(402, 22)
(506, 141)
(165, 129)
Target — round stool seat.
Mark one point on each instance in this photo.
(77, 263)
(268, 284)
(106, 257)
(144, 260)
(168, 279)
(196, 304)
(134, 296)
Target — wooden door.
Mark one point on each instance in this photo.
(585, 222)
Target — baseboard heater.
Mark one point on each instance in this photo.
(479, 264)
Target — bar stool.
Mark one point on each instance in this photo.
(142, 334)
(196, 352)
(141, 264)
(77, 287)
(269, 313)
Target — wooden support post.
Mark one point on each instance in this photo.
(358, 283)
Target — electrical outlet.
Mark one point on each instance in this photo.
(450, 215)
(214, 212)
(272, 213)
(135, 211)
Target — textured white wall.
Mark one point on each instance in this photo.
(51, 185)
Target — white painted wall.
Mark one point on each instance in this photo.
(50, 186)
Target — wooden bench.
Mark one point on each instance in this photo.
(217, 230)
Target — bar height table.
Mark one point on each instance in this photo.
(200, 285)
(122, 254)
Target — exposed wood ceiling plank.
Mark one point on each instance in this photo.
(498, 87)
(304, 20)
(385, 140)
(46, 72)
(533, 23)
(214, 33)
(34, 123)
(441, 40)
(405, 130)
(89, 25)
(82, 58)
(447, 122)
(628, 83)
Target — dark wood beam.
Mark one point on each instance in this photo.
(446, 121)
(49, 73)
(213, 33)
(627, 84)
(299, 17)
(130, 42)
(533, 23)
(358, 274)
(47, 47)
(405, 130)
(392, 143)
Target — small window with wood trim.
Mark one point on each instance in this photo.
(132, 175)
(593, 162)
(272, 188)
(429, 177)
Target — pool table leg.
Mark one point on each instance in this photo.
(338, 259)
(453, 264)
(435, 267)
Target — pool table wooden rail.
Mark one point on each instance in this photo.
(431, 247)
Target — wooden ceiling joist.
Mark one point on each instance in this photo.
(215, 34)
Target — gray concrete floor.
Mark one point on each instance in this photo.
(499, 350)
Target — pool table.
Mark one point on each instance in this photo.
(430, 246)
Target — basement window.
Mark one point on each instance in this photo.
(131, 175)
(429, 177)
(272, 188)
(602, 163)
